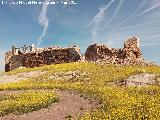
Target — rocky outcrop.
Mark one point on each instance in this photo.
(129, 55)
(44, 56)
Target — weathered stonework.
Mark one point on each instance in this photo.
(39, 57)
(34, 57)
(129, 55)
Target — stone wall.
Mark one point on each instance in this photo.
(44, 56)
(129, 55)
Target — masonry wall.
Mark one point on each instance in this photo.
(130, 54)
(42, 57)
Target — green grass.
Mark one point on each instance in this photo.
(119, 103)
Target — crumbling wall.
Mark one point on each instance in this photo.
(129, 55)
(46, 56)
(8, 56)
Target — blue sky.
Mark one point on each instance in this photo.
(109, 22)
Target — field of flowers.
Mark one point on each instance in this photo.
(25, 101)
(119, 102)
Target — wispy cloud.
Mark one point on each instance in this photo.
(129, 17)
(43, 20)
(153, 6)
(100, 13)
(114, 14)
(140, 25)
(96, 24)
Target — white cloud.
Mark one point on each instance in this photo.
(43, 20)
(114, 14)
(154, 4)
(137, 26)
(96, 25)
(131, 15)
(153, 7)
(97, 21)
(101, 12)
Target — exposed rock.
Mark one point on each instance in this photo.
(141, 80)
(138, 80)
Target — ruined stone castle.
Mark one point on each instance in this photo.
(30, 56)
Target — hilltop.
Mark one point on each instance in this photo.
(57, 83)
(93, 90)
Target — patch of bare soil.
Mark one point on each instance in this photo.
(69, 76)
(4, 78)
(139, 80)
(71, 105)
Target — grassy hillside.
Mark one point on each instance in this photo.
(94, 80)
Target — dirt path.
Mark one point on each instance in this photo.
(71, 105)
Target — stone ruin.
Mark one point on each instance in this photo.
(30, 56)
(129, 55)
